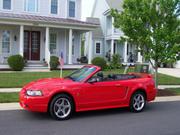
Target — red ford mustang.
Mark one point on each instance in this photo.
(88, 89)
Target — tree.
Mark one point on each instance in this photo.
(153, 26)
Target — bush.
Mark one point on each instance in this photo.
(54, 62)
(16, 62)
(99, 61)
(116, 62)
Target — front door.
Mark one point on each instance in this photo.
(32, 45)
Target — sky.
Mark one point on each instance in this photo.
(87, 6)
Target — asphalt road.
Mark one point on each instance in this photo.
(158, 119)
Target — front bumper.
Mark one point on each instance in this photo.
(35, 104)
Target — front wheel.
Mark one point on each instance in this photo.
(61, 107)
(138, 102)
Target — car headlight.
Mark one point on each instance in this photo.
(34, 93)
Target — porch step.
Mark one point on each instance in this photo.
(36, 69)
(35, 65)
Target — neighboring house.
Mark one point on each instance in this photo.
(38, 29)
(106, 39)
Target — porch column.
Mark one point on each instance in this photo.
(112, 47)
(47, 52)
(125, 52)
(21, 41)
(139, 57)
(90, 48)
(70, 47)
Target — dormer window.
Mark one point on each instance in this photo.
(31, 5)
(7, 4)
(54, 6)
(72, 8)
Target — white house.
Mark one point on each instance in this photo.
(106, 39)
(38, 29)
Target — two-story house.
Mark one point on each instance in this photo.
(38, 29)
(106, 39)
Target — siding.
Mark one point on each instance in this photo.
(44, 8)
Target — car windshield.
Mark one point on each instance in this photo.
(81, 74)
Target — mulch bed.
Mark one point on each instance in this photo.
(162, 93)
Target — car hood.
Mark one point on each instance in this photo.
(48, 83)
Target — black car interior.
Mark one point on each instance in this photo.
(114, 77)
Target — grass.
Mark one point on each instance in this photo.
(19, 79)
(175, 90)
(168, 80)
(9, 97)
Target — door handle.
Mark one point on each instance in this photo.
(118, 85)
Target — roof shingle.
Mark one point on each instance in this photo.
(46, 19)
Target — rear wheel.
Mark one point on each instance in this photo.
(138, 102)
(61, 107)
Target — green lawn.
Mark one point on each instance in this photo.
(19, 79)
(168, 80)
(175, 90)
(9, 97)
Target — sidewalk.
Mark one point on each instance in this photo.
(170, 71)
(7, 90)
(168, 86)
(16, 106)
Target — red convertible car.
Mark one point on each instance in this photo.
(88, 89)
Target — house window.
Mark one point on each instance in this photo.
(98, 47)
(7, 4)
(72, 6)
(54, 6)
(53, 43)
(6, 42)
(31, 5)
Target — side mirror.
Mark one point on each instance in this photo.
(92, 80)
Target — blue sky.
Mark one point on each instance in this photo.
(87, 6)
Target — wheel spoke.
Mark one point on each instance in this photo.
(138, 102)
(62, 102)
(62, 107)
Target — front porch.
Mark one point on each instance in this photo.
(38, 41)
(128, 52)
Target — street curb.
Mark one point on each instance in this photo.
(9, 106)
(16, 106)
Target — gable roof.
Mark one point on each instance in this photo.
(117, 4)
(97, 33)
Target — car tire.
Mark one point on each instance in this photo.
(61, 107)
(137, 102)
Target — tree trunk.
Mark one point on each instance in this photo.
(156, 75)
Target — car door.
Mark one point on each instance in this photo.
(102, 94)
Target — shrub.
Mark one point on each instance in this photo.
(99, 61)
(16, 62)
(116, 62)
(54, 62)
